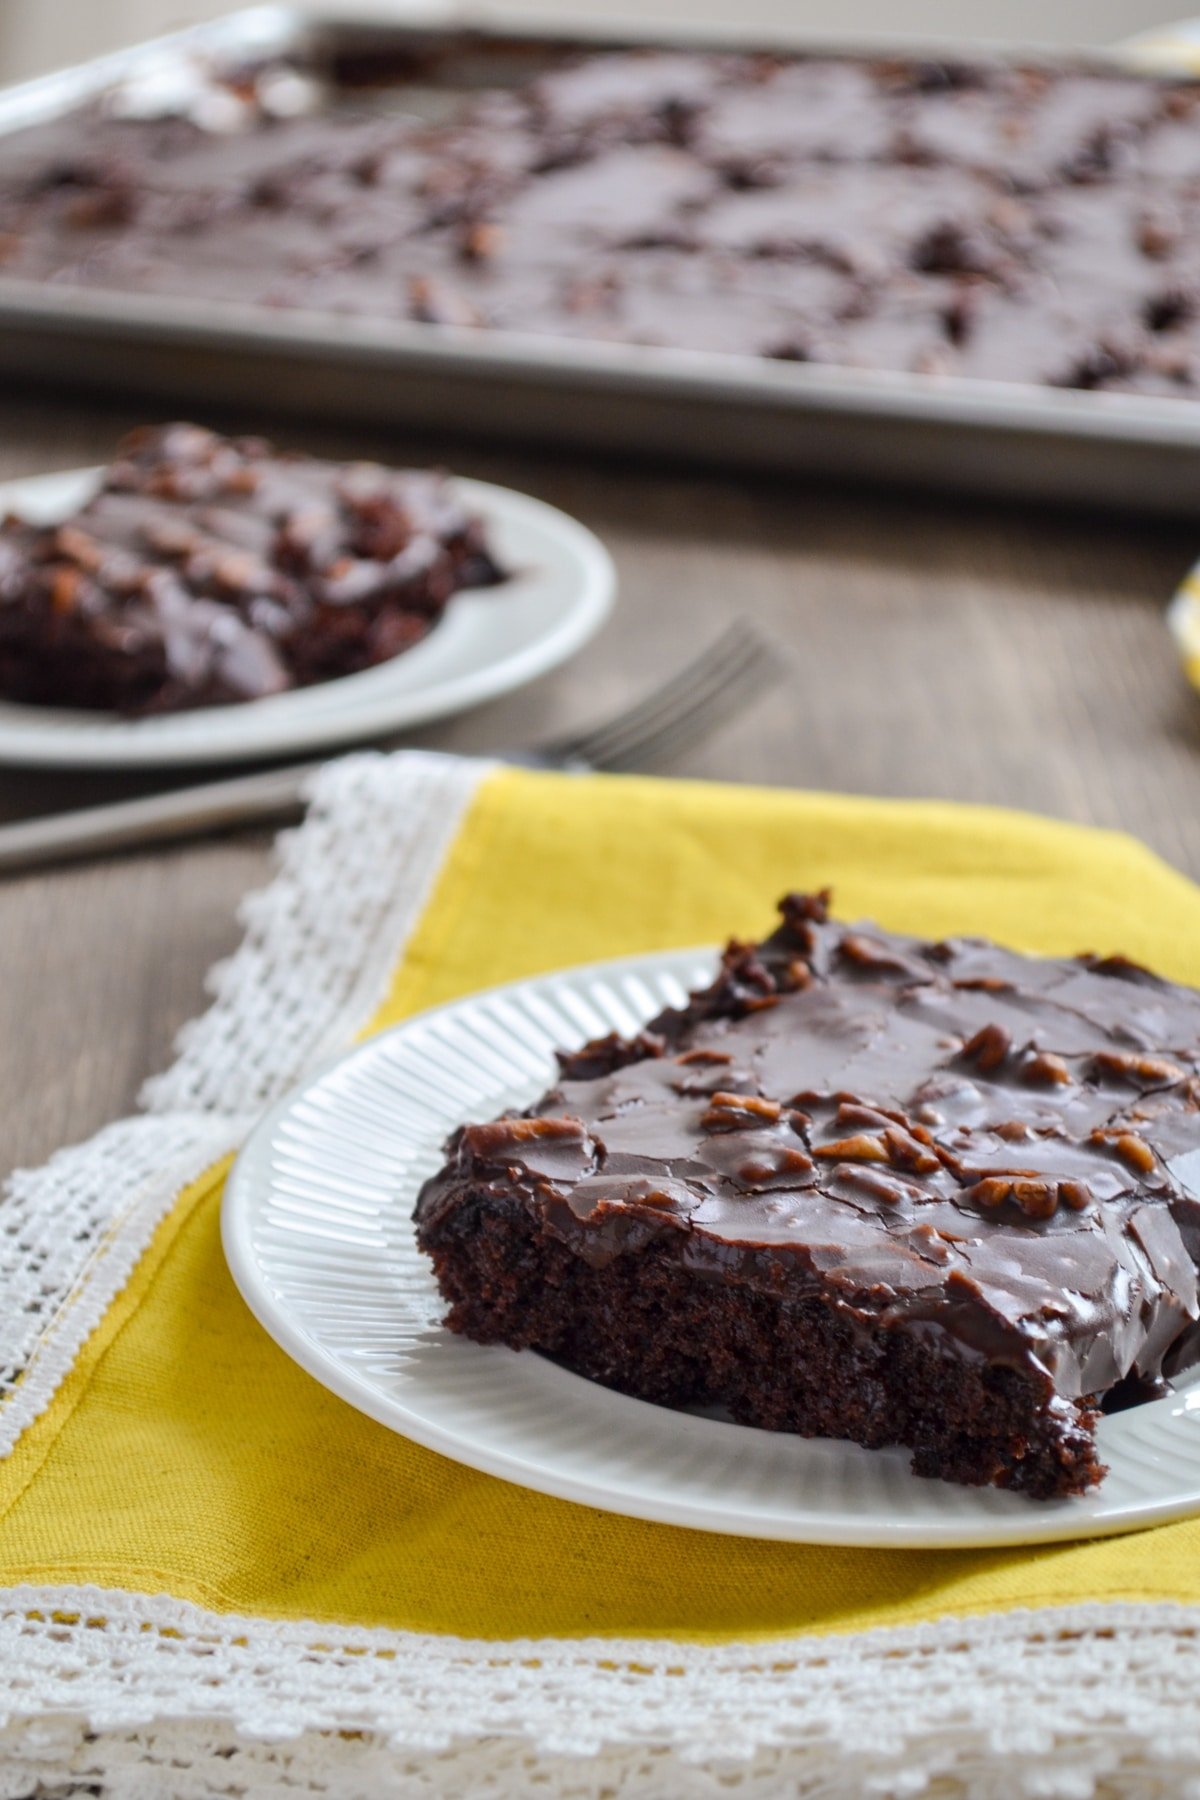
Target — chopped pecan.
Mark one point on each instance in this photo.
(171, 537)
(859, 1148)
(238, 572)
(856, 1112)
(603, 1056)
(658, 1200)
(761, 1172)
(988, 1048)
(243, 480)
(868, 953)
(480, 241)
(1013, 1131)
(101, 208)
(1129, 1147)
(1158, 233)
(1044, 1067)
(952, 248)
(743, 982)
(751, 1103)
(806, 909)
(905, 1152)
(1122, 968)
(502, 1135)
(65, 589)
(1174, 306)
(993, 1190)
(740, 1112)
(78, 547)
(879, 1118)
(1131, 1066)
(802, 913)
(877, 1185)
(435, 303)
(1037, 1198)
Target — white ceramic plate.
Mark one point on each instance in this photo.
(490, 641)
(317, 1230)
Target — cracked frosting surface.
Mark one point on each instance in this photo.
(945, 1137)
(979, 218)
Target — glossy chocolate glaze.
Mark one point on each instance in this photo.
(943, 1138)
(981, 219)
(208, 569)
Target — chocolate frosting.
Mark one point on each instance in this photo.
(979, 218)
(932, 1137)
(209, 569)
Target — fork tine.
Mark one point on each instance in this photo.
(706, 699)
(697, 682)
(704, 692)
(690, 724)
(583, 745)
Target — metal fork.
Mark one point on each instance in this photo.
(736, 668)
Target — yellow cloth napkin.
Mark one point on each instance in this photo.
(185, 1453)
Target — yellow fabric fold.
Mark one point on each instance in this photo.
(186, 1454)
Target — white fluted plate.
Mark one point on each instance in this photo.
(489, 641)
(317, 1228)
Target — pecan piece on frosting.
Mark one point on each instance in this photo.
(740, 1112)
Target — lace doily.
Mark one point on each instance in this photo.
(137, 1695)
(320, 943)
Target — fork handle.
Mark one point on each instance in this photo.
(274, 796)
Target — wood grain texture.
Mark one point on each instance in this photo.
(935, 648)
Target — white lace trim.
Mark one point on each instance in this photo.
(131, 1696)
(1062, 1705)
(322, 939)
(320, 943)
(72, 1234)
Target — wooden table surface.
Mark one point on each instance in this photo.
(940, 648)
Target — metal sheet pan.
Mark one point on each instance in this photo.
(996, 438)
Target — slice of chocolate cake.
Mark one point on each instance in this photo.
(939, 1195)
(207, 570)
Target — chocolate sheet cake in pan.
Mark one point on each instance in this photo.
(976, 218)
(938, 1195)
(956, 268)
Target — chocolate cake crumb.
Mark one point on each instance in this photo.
(938, 1195)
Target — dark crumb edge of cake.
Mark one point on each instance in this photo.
(648, 1327)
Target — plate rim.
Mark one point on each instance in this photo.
(1046, 1522)
(343, 717)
